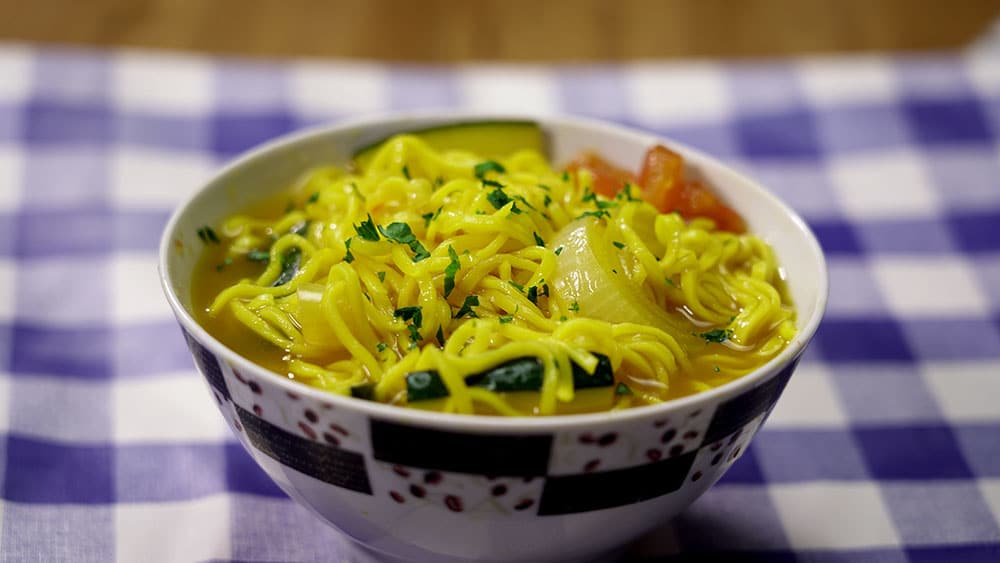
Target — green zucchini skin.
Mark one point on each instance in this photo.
(521, 374)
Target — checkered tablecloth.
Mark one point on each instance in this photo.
(884, 447)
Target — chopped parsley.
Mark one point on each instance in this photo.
(533, 294)
(575, 307)
(439, 181)
(482, 168)
(313, 198)
(401, 233)
(415, 316)
(626, 193)
(515, 210)
(440, 336)
(598, 214)
(525, 202)
(559, 251)
(516, 285)
(427, 219)
(716, 335)
(565, 176)
(466, 309)
(406, 172)
(381, 276)
(207, 235)
(222, 266)
(716, 369)
(618, 245)
(259, 256)
(498, 198)
(348, 257)
(562, 318)
(367, 230)
(493, 184)
(622, 389)
(504, 319)
(671, 282)
(289, 266)
(300, 228)
(381, 346)
(450, 270)
(539, 240)
(547, 200)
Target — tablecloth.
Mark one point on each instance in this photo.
(884, 447)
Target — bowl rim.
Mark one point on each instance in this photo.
(492, 423)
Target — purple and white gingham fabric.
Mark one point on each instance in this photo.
(885, 446)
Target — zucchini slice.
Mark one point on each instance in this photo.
(489, 139)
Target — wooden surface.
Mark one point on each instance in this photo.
(456, 30)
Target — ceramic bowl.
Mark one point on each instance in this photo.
(422, 486)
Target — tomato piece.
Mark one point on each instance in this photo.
(662, 172)
(663, 185)
(608, 178)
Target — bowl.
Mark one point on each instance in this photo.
(415, 485)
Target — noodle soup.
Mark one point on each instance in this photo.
(461, 271)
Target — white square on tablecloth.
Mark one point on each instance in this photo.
(61, 291)
(984, 72)
(158, 180)
(331, 89)
(929, 285)
(834, 515)
(677, 92)
(810, 400)
(79, 403)
(508, 88)
(11, 175)
(162, 83)
(991, 492)
(966, 391)
(883, 184)
(193, 530)
(166, 408)
(844, 80)
(16, 70)
(136, 293)
(8, 290)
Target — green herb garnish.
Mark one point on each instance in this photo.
(406, 172)
(618, 245)
(440, 336)
(450, 270)
(207, 235)
(414, 313)
(539, 240)
(498, 198)
(598, 214)
(289, 266)
(547, 200)
(622, 389)
(401, 233)
(504, 319)
(559, 251)
(381, 346)
(466, 309)
(516, 285)
(313, 198)
(575, 307)
(717, 335)
(482, 168)
(259, 256)
(493, 184)
(348, 257)
(367, 230)
(381, 276)
(222, 266)
(533, 294)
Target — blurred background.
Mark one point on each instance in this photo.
(452, 30)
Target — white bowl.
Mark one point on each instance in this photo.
(424, 486)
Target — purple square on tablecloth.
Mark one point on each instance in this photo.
(841, 555)
(807, 455)
(981, 447)
(977, 231)
(11, 122)
(244, 475)
(162, 131)
(47, 472)
(861, 128)
(62, 232)
(272, 529)
(717, 140)
(168, 472)
(65, 177)
(731, 518)
(70, 352)
(912, 453)
(413, 88)
(64, 532)
(596, 91)
(953, 339)
(857, 339)
(150, 348)
(789, 134)
(853, 290)
(233, 133)
(918, 236)
(72, 75)
(745, 470)
(888, 393)
(967, 177)
(836, 236)
(8, 226)
(763, 87)
(49, 123)
(977, 553)
(916, 510)
(139, 230)
(249, 86)
(944, 121)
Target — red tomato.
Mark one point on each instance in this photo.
(663, 185)
(608, 178)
